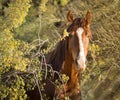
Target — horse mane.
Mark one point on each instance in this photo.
(57, 56)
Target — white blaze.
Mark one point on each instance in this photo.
(82, 57)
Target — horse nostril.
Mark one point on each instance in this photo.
(76, 61)
(78, 58)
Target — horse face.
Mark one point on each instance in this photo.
(79, 40)
(78, 45)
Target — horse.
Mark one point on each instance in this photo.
(69, 57)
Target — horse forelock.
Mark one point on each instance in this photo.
(75, 24)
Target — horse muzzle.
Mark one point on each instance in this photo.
(80, 64)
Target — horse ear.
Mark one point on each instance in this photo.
(70, 16)
(88, 18)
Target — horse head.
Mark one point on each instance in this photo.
(79, 36)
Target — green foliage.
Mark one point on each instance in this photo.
(60, 83)
(15, 13)
(12, 53)
(38, 23)
(13, 88)
(12, 58)
(63, 81)
(43, 5)
(64, 2)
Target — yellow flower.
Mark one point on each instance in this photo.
(65, 34)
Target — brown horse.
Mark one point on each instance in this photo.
(69, 57)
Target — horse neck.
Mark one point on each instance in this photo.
(68, 68)
(57, 56)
